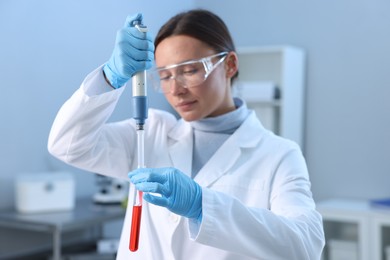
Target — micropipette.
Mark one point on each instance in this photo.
(140, 110)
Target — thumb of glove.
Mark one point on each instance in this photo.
(131, 19)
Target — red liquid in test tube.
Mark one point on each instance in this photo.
(135, 228)
(136, 223)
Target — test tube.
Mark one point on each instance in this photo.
(137, 202)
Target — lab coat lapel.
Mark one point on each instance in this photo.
(180, 147)
(180, 150)
(246, 136)
(219, 163)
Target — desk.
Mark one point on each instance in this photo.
(85, 214)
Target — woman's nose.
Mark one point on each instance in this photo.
(176, 88)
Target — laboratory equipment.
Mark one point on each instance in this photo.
(44, 192)
(110, 190)
(140, 110)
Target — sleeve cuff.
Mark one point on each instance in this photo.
(201, 229)
(95, 83)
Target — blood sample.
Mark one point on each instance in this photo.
(135, 228)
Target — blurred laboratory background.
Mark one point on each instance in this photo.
(48, 47)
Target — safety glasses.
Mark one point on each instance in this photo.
(188, 74)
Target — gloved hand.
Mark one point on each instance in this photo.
(133, 52)
(179, 193)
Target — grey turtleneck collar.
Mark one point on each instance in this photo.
(211, 132)
(226, 123)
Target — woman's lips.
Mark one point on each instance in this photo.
(185, 105)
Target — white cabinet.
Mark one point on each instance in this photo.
(381, 235)
(357, 221)
(283, 66)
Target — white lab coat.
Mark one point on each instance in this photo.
(256, 197)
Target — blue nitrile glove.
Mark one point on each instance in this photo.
(179, 193)
(133, 52)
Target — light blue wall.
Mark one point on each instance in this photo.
(347, 132)
(46, 49)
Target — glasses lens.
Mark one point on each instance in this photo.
(154, 79)
(192, 74)
(187, 74)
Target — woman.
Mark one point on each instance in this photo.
(221, 186)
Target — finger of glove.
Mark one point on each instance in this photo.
(128, 60)
(139, 35)
(131, 18)
(147, 175)
(130, 63)
(138, 176)
(153, 187)
(156, 200)
(137, 57)
(137, 61)
(132, 48)
(137, 40)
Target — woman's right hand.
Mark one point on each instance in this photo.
(133, 52)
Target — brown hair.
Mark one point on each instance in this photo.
(202, 25)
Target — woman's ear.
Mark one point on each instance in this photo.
(231, 64)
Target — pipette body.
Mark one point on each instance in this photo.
(140, 101)
(140, 114)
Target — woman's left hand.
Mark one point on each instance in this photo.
(179, 193)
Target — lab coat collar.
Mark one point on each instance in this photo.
(247, 135)
(250, 132)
